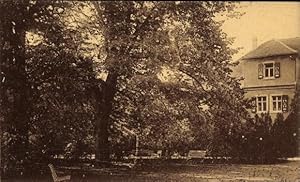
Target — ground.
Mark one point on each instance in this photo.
(281, 172)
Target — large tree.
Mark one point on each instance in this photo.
(141, 40)
(138, 42)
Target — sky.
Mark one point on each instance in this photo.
(264, 20)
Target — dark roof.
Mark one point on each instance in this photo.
(275, 47)
(293, 43)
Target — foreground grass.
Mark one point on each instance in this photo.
(282, 172)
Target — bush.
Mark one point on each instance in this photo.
(289, 146)
(262, 140)
(254, 140)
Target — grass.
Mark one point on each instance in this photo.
(174, 171)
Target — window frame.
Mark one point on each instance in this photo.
(271, 103)
(267, 104)
(264, 70)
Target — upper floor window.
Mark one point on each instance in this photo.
(269, 70)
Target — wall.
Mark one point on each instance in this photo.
(287, 72)
(289, 90)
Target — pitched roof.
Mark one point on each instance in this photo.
(293, 43)
(275, 47)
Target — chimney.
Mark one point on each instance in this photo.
(254, 42)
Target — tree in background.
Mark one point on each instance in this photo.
(15, 90)
(48, 85)
(14, 86)
(65, 88)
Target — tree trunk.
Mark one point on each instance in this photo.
(103, 117)
(14, 82)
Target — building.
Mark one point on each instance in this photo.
(271, 75)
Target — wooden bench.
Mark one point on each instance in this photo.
(196, 154)
(57, 178)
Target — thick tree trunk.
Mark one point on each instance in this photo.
(109, 89)
(14, 84)
(103, 117)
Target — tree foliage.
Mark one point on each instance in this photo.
(143, 37)
(68, 111)
(56, 81)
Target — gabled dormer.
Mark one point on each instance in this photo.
(273, 63)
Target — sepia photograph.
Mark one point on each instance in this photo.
(134, 91)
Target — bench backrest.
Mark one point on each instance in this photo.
(53, 173)
(197, 153)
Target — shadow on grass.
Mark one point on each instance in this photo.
(89, 171)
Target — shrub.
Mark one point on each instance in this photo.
(262, 140)
(256, 139)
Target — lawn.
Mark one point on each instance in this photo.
(281, 172)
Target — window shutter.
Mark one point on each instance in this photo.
(285, 103)
(253, 104)
(260, 71)
(277, 70)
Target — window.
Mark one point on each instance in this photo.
(269, 70)
(262, 104)
(274, 103)
(277, 103)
